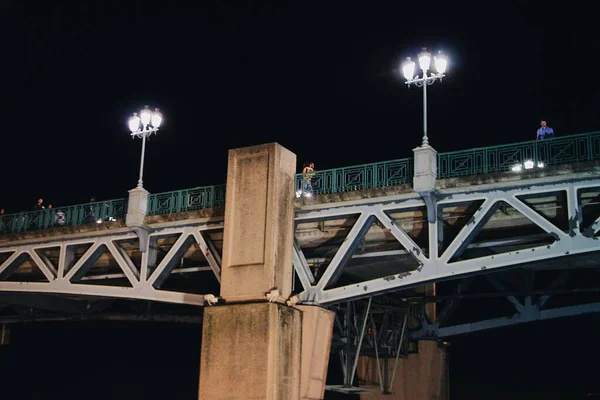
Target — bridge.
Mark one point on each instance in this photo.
(515, 225)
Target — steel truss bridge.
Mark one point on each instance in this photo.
(508, 248)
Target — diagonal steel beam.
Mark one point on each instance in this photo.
(401, 236)
(8, 266)
(534, 217)
(344, 253)
(301, 266)
(470, 230)
(215, 265)
(173, 256)
(213, 249)
(44, 265)
(85, 262)
(124, 262)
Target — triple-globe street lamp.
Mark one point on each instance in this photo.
(428, 78)
(143, 126)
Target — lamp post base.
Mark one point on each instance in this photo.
(137, 207)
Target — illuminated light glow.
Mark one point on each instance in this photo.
(529, 164)
(308, 195)
(134, 123)
(408, 69)
(517, 168)
(146, 116)
(541, 165)
(156, 118)
(424, 60)
(441, 62)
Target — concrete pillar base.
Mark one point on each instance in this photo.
(317, 331)
(251, 351)
(421, 376)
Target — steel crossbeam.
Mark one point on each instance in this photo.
(141, 284)
(526, 313)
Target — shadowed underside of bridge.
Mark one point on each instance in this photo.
(525, 243)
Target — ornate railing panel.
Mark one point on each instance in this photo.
(186, 200)
(483, 160)
(88, 213)
(360, 177)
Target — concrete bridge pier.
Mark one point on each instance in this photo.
(254, 346)
(420, 376)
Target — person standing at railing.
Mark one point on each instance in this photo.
(545, 132)
(308, 171)
(59, 217)
(90, 215)
(39, 205)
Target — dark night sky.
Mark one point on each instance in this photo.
(320, 78)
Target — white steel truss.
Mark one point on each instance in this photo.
(144, 282)
(434, 267)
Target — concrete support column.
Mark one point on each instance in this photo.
(137, 206)
(420, 376)
(251, 351)
(255, 346)
(317, 332)
(259, 223)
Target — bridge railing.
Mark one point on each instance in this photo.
(360, 177)
(483, 160)
(186, 200)
(95, 212)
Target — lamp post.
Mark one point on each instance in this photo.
(143, 126)
(428, 78)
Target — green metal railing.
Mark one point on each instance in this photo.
(484, 160)
(79, 214)
(360, 177)
(186, 200)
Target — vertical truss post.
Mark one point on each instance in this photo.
(398, 350)
(376, 345)
(362, 335)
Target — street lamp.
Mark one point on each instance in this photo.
(143, 126)
(408, 70)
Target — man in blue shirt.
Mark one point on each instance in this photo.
(545, 131)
